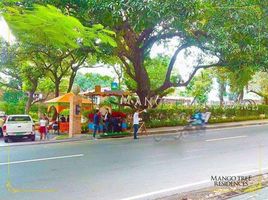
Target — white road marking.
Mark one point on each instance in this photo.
(158, 192)
(226, 138)
(166, 190)
(41, 159)
(251, 172)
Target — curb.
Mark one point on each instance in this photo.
(44, 142)
(149, 133)
(210, 127)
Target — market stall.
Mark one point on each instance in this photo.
(117, 121)
(61, 103)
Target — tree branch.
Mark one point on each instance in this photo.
(150, 41)
(258, 93)
(180, 83)
(128, 69)
(10, 86)
(40, 100)
(173, 60)
(167, 83)
(144, 35)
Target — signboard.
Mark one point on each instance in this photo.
(77, 109)
(114, 86)
(97, 88)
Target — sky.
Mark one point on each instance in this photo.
(4, 31)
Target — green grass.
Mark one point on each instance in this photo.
(115, 134)
(62, 137)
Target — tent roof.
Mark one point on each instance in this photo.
(107, 93)
(66, 99)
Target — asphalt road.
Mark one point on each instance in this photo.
(126, 169)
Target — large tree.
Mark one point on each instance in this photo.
(227, 30)
(23, 72)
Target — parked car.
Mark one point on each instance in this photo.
(18, 127)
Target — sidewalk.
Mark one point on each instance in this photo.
(209, 126)
(151, 131)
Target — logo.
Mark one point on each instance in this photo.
(231, 181)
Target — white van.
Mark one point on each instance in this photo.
(18, 126)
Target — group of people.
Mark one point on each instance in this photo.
(115, 124)
(44, 125)
(108, 122)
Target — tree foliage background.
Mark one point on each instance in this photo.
(60, 37)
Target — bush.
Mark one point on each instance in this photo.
(12, 108)
(19, 108)
(84, 128)
(170, 115)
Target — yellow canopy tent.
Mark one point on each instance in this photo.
(62, 102)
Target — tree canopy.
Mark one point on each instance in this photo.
(227, 30)
(232, 34)
(88, 81)
(50, 45)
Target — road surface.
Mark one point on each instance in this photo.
(124, 169)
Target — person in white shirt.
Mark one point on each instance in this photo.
(136, 121)
(42, 127)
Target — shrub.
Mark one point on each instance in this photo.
(170, 115)
(84, 128)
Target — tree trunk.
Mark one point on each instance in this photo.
(29, 102)
(71, 82)
(222, 89)
(221, 99)
(240, 96)
(142, 80)
(30, 96)
(119, 83)
(265, 100)
(57, 87)
(192, 103)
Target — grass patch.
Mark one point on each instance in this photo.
(115, 134)
(62, 137)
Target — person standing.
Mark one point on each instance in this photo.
(96, 122)
(2, 121)
(62, 118)
(47, 127)
(136, 121)
(107, 117)
(42, 127)
(55, 126)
